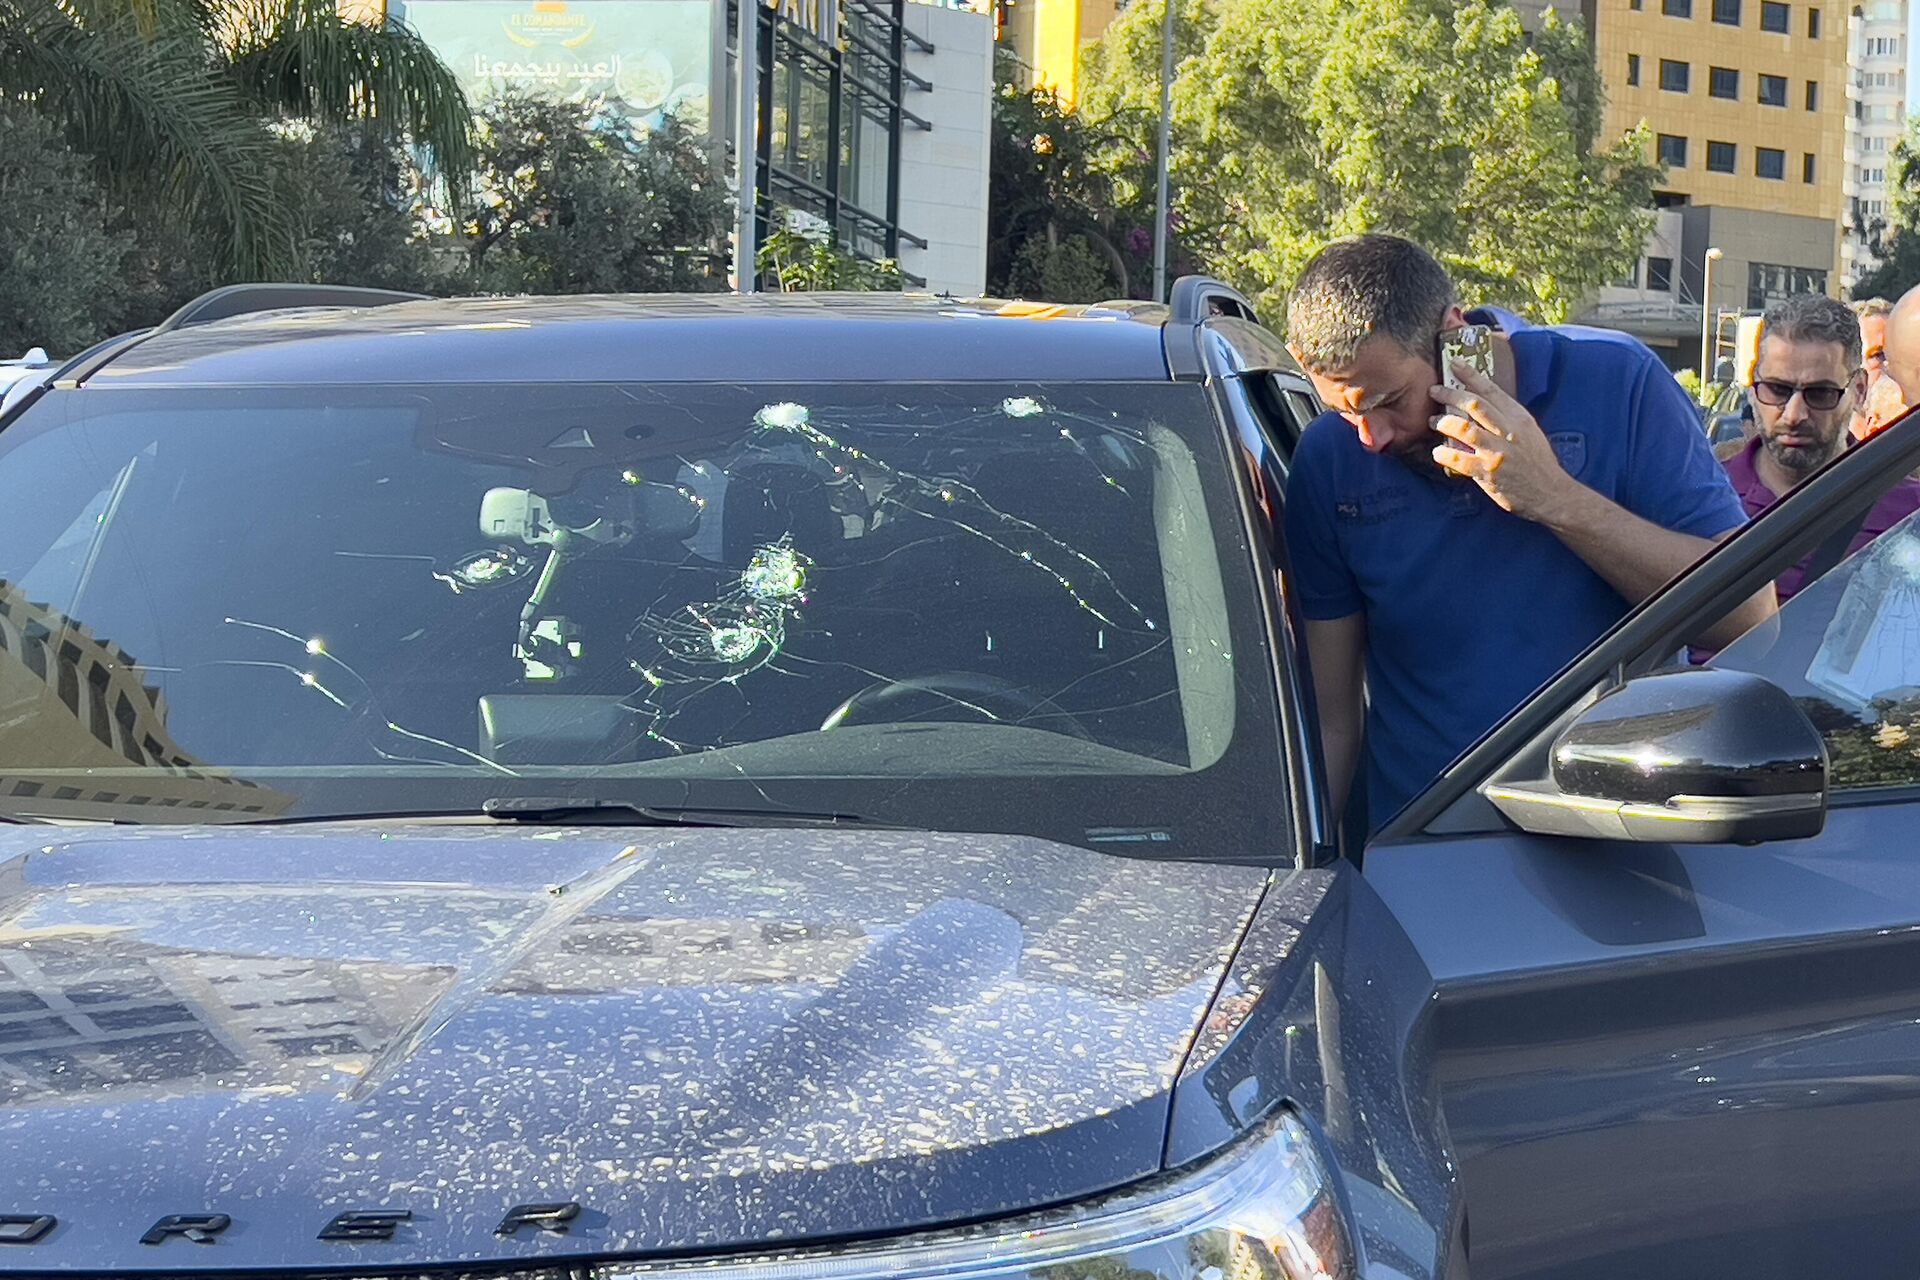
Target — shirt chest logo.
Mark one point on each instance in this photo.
(1571, 448)
(1376, 506)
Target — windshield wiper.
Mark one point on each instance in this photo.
(542, 811)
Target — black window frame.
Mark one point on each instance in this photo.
(1676, 76)
(1659, 275)
(1778, 99)
(1761, 155)
(1726, 12)
(1813, 22)
(1807, 168)
(1675, 143)
(1723, 157)
(1723, 78)
(867, 76)
(1633, 69)
(1776, 17)
(1813, 95)
(1677, 8)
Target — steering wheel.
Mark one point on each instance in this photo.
(974, 694)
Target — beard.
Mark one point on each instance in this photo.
(1417, 456)
(1804, 459)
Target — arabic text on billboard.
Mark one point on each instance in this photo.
(636, 60)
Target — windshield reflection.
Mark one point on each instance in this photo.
(737, 586)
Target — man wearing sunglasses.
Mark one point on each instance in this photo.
(1808, 381)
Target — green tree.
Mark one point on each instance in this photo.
(1070, 209)
(350, 220)
(173, 98)
(568, 204)
(1297, 121)
(1895, 239)
(61, 271)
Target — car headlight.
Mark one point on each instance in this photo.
(1265, 1210)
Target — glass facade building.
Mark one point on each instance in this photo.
(833, 83)
(833, 79)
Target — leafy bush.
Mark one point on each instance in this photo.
(800, 254)
(1065, 272)
(61, 267)
(566, 203)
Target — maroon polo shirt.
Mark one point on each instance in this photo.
(1898, 503)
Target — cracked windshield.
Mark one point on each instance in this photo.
(961, 606)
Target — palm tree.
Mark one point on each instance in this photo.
(172, 98)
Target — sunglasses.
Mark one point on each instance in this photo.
(1820, 396)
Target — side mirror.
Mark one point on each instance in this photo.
(1684, 757)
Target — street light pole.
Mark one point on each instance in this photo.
(746, 148)
(1706, 316)
(1166, 132)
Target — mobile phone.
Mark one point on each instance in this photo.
(1472, 345)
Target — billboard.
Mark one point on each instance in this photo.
(635, 59)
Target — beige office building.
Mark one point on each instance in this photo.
(1748, 106)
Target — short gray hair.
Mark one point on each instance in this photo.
(1814, 317)
(1364, 287)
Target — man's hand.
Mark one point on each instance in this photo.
(1506, 453)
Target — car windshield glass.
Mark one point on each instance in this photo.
(1017, 608)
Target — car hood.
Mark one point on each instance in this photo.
(704, 1039)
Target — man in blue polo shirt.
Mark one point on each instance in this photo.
(1461, 547)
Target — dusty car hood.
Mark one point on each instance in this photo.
(704, 1038)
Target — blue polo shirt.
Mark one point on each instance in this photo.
(1469, 608)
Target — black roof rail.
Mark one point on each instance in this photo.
(222, 303)
(244, 299)
(1197, 298)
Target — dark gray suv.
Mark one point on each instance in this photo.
(826, 787)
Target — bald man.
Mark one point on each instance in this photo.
(1903, 345)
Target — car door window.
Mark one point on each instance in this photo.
(1847, 649)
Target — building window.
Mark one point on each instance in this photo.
(1660, 275)
(1813, 95)
(1633, 68)
(1813, 22)
(1768, 283)
(1674, 76)
(1727, 11)
(1673, 151)
(1774, 16)
(1720, 157)
(1677, 8)
(1806, 167)
(1724, 82)
(1770, 162)
(1773, 91)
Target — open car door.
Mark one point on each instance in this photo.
(1672, 917)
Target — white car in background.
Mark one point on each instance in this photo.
(18, 375)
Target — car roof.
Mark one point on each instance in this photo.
(671, 337)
